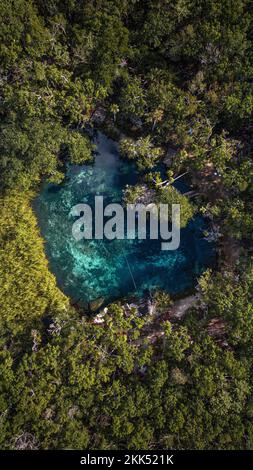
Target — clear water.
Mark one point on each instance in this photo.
(89, 269)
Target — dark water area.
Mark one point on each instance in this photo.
(88, 269)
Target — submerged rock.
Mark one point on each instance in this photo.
(170, 154)
(94, 305)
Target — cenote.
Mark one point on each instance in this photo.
(90, 269)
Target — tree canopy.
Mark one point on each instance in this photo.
(174, 81)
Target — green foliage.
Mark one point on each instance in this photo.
(133, 193)
(162, 300)
(170, 195)
(229, 296)
(35, 150)
(82, 389)
(27, 289)
(142, 151)
(132, 100)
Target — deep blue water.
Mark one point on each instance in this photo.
(89, 269)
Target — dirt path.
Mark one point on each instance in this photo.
(179, 308)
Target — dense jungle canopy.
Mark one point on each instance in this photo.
(167, 74)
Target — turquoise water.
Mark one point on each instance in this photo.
(89, 269)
